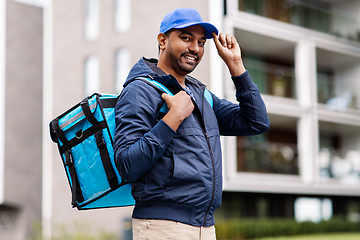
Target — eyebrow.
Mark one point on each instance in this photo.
(191, 34)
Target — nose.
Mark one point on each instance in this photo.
(194, 47)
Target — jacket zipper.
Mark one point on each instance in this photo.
(212, 160)
(211, 155)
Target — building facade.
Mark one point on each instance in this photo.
(304, 57)
(21, 174)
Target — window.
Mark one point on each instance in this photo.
(122, 15)
(272, 152)
(92, 14)
(338, 87)
(312, 209)
(270, 63)
(92, 75)
(335, 17)
(122, 62)
(339, 153)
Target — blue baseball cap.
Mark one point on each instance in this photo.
(183, 18)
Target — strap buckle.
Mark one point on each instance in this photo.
(100, 142)
(68, 158)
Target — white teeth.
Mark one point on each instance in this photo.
(190, 58)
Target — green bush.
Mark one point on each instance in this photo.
(79, 232)
(238, 229)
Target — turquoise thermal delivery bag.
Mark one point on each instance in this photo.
(84, 135)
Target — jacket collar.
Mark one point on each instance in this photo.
(148, 68)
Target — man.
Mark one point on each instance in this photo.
(174, 163)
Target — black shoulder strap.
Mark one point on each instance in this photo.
(77, 196)
(100, 142)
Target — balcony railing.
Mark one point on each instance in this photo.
(255, 154)
(272, 78)
(313, 15)
(335, 95)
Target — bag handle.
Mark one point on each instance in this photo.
(87, 111)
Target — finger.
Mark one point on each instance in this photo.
(165, 96)
(181, 93)
(228, 41)
(222, 39)
(216, 40)
(185, 97)
(219, 39)
(234, 42)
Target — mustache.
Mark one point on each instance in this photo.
(195, 55)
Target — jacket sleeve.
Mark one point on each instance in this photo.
(138, 140)
(249, 117)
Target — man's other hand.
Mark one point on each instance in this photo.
(180, 107)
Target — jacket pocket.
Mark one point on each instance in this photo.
(187, 185)
(160, 174)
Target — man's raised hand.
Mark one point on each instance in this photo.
(229, 50)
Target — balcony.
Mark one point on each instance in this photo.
(338, 88)
(272, 152)
(339, 154)
(331, 17)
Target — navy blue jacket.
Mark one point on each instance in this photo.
(178, 175)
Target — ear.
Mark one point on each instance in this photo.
(162, 38)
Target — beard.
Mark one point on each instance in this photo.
(182, 65)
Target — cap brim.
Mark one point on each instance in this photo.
(209, 28)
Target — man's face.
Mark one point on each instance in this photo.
(185, 48)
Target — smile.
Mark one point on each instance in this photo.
(190, 58)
